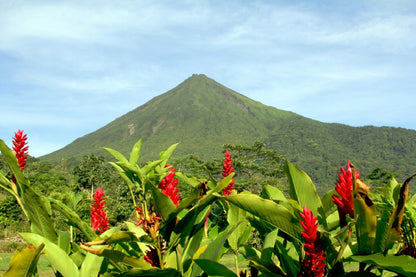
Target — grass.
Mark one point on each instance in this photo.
(45, 270)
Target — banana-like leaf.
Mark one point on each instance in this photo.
(163, 204)
(135, 152)
(273, 193)
(404, 265)
(304, 192)
(25, 262)
(394, 228)
(165, 155)
(366, 214)
(268, 210)
(213, 268)
(154, 272)
(118, 257)
(35, 206)
(120, 157)
(243, 231)
(57, 257)
(91, 265)
(73, 218)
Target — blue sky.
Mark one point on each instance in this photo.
(68, 68)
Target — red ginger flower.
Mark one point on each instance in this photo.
(344, 188)
(227, 169)
(21, 148)
(314, 264)
(168, 184)
(152, 256)
(99, 220)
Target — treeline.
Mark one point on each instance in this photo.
(254, 166)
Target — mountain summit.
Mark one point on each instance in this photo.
(202, 115)
(199, 113)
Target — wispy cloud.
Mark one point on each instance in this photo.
(76, 65)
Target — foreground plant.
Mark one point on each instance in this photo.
(344, 199)
(21, 148)
(99, 220)
(227, 170)
(314, 264)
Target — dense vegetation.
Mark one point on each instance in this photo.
(349, 231)
(202, 115)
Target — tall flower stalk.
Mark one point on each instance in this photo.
(99, 220)
(343, 187)
(314, 263)
(227, 169)
(21, 148)
(168, 186)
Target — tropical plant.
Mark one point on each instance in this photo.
(300, 233)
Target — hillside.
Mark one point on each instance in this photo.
(201, 115)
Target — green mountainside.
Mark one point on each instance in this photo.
(202, 115)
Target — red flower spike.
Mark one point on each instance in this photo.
(21, 148)
(227, 169)
(168, 186)
(314, 264)
(152, 257)
(344, 188)
(99, 220)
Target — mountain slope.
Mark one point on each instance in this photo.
(201, 115)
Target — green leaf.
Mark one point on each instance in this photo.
(273, 193)
(213, 268)
(116, 155)
(303, 190)
(118, 257)
(25, 262)
(169, 272)
(135, 152)
(165, 155)
(91, 265)
(163, 204)
(243, 231)
(403, 264)
(73, 218)
(55, 255)
(268, 210)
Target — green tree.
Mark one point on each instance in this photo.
(91, 173)
(256, 166)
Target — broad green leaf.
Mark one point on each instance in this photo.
(327, 203)
(303, 190)
(120, 157)
(55, 255)
(243, 231)
(150, 166)
(137, 230)
(25, 262)
(163, 204)
(273, 193)
(11, 160)
(135, 152)
(91, 265)
(64, 241)
(187, 179)
(403, 264)
(193, 245)
(213, 268)
(121, 236)
(73, 218)
(118, 257)
(165, 155)
(39, 213)
(154, 272)
(268, 210)
(36, 207)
